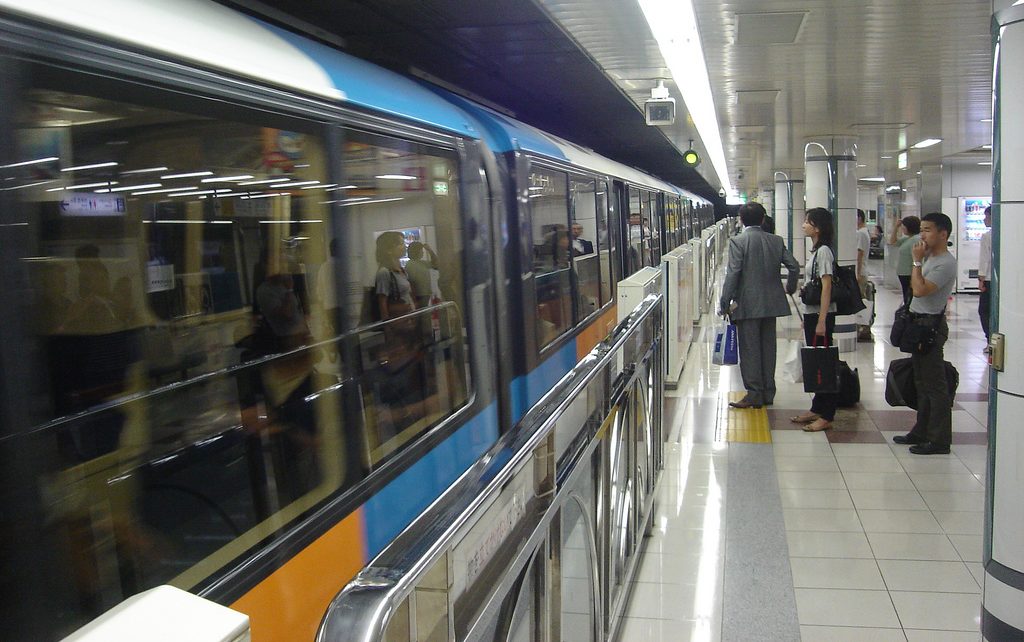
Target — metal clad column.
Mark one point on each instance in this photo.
(1003, 602)
(789, 212)
(830, 165)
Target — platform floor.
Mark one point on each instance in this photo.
(834, 536)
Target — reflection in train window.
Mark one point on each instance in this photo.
(551, 253)
(606, 246)
(216, 359)
(585, 247)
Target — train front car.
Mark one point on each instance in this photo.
(248, 312)
(576, 224)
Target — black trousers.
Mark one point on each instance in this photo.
(934, 407)
(984, 303)
(824, 403)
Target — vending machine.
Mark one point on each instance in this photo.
(969, 227)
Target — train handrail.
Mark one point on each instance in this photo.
(362, 611)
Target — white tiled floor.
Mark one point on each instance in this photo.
(883, 545)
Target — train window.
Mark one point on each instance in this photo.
(635, 248)
(401, 205)
(652, 230)
(205, 378)
(551, 253)
(584, 249)
(607, 250)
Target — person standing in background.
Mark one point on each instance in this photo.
(753, 283)
(985, 277)
(911, 228)
(863, 249)
(820, 319)
(932, 282)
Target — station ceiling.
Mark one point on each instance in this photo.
(889, 72)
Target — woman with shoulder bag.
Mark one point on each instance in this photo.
(819, 318)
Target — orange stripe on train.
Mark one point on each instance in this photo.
(290, 603)
(595, 332)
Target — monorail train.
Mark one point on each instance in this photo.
(266, 301)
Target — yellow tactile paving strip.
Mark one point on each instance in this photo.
(746, 426)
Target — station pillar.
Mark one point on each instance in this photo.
(1002, 616)
(789, 211)
(830, 175)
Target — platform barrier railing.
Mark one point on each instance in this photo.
(544, 532)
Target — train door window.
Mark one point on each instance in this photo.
(197, 373)
(585, 246)
(606, 249)
(403, 261)
(653, 228)
(635, 246)
(551, 253)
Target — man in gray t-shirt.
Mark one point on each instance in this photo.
(931, 281)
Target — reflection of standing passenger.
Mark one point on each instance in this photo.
(419, 273)
(392, 286)
(281, 308)
(580, 246)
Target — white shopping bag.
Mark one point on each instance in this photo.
(792, 370)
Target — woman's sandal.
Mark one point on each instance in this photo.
(818, 425)
(805, 418)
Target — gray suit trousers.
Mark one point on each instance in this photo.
(757, 358)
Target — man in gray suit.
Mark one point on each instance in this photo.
(753, 283)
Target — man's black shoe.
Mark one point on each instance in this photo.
(909, 438)
(743, 403)
(928, 448)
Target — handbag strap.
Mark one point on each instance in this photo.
(814, 341)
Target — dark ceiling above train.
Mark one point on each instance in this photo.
(506, 52)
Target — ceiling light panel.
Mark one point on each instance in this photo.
(769, 28)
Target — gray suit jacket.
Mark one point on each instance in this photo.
(753, 277)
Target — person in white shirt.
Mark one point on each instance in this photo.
(985, 276)
(863, 249)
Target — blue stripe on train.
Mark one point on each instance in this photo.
(397, 504)
(370, 86)
(527, 390)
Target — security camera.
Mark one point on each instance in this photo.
(739, 175)
(660, 109)
(721, 192)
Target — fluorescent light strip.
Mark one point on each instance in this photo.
(985, 163)
(927, 142)
(251, 197)
(128, 188)
(82, 186)
(398, 177)
(93, 166)
(187, 222)
(328, 185)
(296, 184)
(381, 200)
(286, 222)
(164, 191)
(874, 179)
(226, 179)
(147, 170)
(674, 25)
(205, 191)
(6, 189)
(187, 175)
(38, 161)
(266, 181)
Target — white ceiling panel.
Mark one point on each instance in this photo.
(891, 72)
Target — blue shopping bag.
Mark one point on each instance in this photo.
(727, 349)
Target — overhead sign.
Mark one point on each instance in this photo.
(92, 205)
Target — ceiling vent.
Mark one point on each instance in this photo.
(756, 96)
(769, 28)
